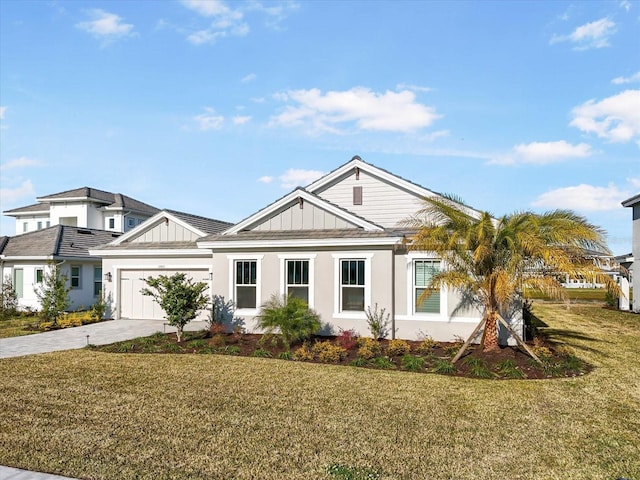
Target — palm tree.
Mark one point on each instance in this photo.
(492, 260)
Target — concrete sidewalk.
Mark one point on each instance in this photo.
(101, 333)
(10, 473)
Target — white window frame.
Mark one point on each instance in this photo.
(39, 225)
(35, 275)
(97, 280)
(71, 277)
(232, 281)
(411, 303)
(337, 284)
(25, 226)
(310, 257)
(111, 222)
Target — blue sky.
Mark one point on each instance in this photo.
(219, 108)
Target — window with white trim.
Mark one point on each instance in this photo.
(39, 225)
(352, 285)
(39, 275)
(112, 223)
(297, 279)
(245, 284)
(423, 272)
(97, 281)
(76, 272)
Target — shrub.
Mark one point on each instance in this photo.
(508, 368)
(541, 352)
(303, 354)
(291, 316)
(358, 362)
(378, 322)
(221, 313)
(285, 355)
(261, 352)
(327, 352)
(369, 348)
(8, 299)
(53, 294)
(412, 363)
(99, 308)
(478, 368)
(443, 366)
(348, 339)
(426, 346)
(383, 363)
(229, 350)
(397, 348)
(218, 341)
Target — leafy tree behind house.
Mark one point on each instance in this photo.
(491, 260)
(180, 298)
(53, 294)
(290, 316)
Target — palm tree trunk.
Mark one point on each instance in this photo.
(490, 337)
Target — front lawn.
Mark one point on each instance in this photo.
(19, 325)
(90, 414)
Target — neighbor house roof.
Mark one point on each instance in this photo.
(56, 241)
(111, 201)
(630, 202)
(207, 225)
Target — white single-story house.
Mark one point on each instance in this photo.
(26, 258)
(634, 204)
(339, 243)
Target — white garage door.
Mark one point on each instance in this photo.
(134, 305)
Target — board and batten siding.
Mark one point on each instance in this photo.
(309, 217)
(166, 232)
(382, 203)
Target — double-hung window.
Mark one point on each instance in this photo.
(297, 275)
(423, 272)
(246, 275)
(76, 281)
(352, 285)
(39, 275)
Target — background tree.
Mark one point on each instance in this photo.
(8, 299)
(491, 260)
(53, 294)
(290, 316)
(180, 298)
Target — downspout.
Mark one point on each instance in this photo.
(393, 292)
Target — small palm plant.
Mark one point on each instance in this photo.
(291, 317)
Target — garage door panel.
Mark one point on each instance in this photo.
(134, 305)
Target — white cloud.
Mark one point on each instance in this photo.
(626, 4)
(225, 21)
(413, 88)
(615, 118)
(105, 25)
(2, 110)
(634, 181)
(543, 153)
(275, 13)
(359, 107)
(266, 179)
(430, 137)
(241, 120)
(583, 197)
(590, 35)
(12, 195)
(632, 79)
(296, 177)
(20, 163)
(209, 120)
(249, 78)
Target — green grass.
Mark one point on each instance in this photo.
(18, 326)
(574, 295)
(90, 414)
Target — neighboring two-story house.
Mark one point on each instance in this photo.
(82, 207)
(634, 204)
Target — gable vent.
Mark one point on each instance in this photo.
(357, 195)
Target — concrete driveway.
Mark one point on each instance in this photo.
(102, 333)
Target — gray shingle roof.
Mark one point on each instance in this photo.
(302, 235)
(150, 246)
(57, 241)
(630, 202)
(207, 225)
(36, 207)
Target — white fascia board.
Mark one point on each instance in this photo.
(333, 242)
(307, 197)
(152, 222)
(21, 258)
(27, 214)
(151, 252)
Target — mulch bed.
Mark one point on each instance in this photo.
(505, 363)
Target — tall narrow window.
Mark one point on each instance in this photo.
(298, 279)
(18, 282)
(424, 270)
(25, 226)
(39, 225)
(112, 223)
(75, 276)
(39, 275)
(97, 281)
(246, 276)
(352, 285)
(48, 224)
